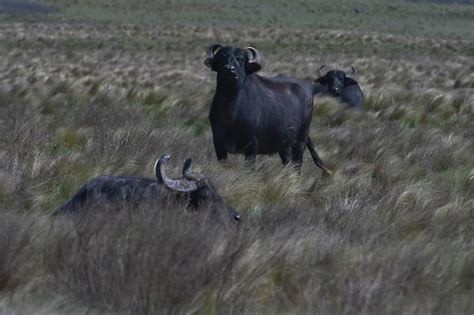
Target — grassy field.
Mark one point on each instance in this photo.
(106, 87)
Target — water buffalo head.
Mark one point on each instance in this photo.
(335, 80)
(232, 64)
(201, 190)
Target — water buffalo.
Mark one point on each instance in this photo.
(337, 84)
(194, 190)
(252, 114)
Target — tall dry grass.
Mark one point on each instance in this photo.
(390, 232)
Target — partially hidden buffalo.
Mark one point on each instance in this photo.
(252, 114)
(337, 83)
(193, 190)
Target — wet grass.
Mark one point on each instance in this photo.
(390, 232)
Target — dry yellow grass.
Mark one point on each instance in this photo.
(390, 232)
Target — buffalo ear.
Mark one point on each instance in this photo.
(211, 52)
(349, 81)
(208, 62)
(252, 67)
(253, 63)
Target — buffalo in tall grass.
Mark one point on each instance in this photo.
(338, 84)
(193, 190)
(252, 115)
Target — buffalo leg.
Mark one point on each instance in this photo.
(251, 152)
(317, 160)
(285, 156)
(219, 146)
(297, 151)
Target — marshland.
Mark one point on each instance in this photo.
(91, 88)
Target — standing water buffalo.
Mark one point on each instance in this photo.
(251, 114)
(337, 84)
(197, 191)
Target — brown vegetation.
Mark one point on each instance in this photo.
(390, 232)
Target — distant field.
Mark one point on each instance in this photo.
(414, 19)
(106, 87)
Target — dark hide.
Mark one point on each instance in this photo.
(133, 192)
(251, 114)
(337, 84)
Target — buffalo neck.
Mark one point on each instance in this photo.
(228, 94)
(228, 87)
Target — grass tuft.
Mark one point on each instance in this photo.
(389, 232)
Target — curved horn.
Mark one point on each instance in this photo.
(187, 168)
(212, 50)
(158, 164)
(353, 70)
(254, 55)
(320, 69)
(179, 185)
